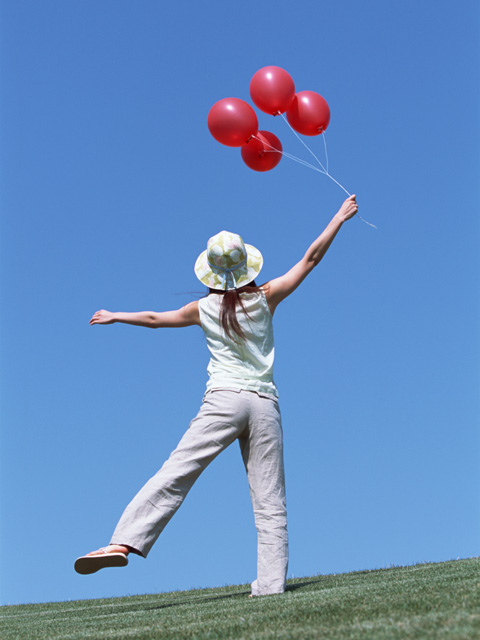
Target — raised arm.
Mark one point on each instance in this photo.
(184, 317)
(279, 288)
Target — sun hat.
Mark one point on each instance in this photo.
(228, 263)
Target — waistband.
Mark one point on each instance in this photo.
(260, 394)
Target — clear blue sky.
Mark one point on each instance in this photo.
(110, 187)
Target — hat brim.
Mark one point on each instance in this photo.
(214, 278)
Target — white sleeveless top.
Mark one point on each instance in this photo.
(246, 364)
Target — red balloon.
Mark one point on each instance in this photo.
(232, 121)
(263, 152)
(309, 113)
(272, 90)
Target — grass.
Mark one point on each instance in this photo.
(425, 601)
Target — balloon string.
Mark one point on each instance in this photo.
(325, 147)
(325, 171)
(288, 155)
(305, 145)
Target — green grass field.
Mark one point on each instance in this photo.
(423, 601)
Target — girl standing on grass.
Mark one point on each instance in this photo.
(241, 402)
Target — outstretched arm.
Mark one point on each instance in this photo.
(184, 317)
(279, 288)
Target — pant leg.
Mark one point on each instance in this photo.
(262, 452)
(221, 419)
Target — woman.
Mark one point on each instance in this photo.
(240, 402)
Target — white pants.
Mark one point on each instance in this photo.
(225, 415)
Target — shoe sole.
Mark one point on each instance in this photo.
(92, 564)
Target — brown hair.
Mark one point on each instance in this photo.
(228, 310)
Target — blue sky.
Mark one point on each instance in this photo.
(110, 187)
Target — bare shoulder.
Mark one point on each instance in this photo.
(280, 288)
(270, 297)
(191, 313)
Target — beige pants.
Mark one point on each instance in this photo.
(225, 416)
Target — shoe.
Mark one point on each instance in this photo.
(92, 564)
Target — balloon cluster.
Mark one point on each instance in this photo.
(234, 123)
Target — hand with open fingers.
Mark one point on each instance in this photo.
(348, 209)
(102, 317)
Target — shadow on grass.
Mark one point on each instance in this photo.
(290, 587)
(196, 600)
(300, 585)
(215, 598)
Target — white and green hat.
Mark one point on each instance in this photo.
(227, 262)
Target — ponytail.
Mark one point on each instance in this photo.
(228, 310)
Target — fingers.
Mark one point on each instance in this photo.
(102, 317)
(96, 318)
(352, 203)
(349, 207)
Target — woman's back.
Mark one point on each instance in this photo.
(240, 363)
